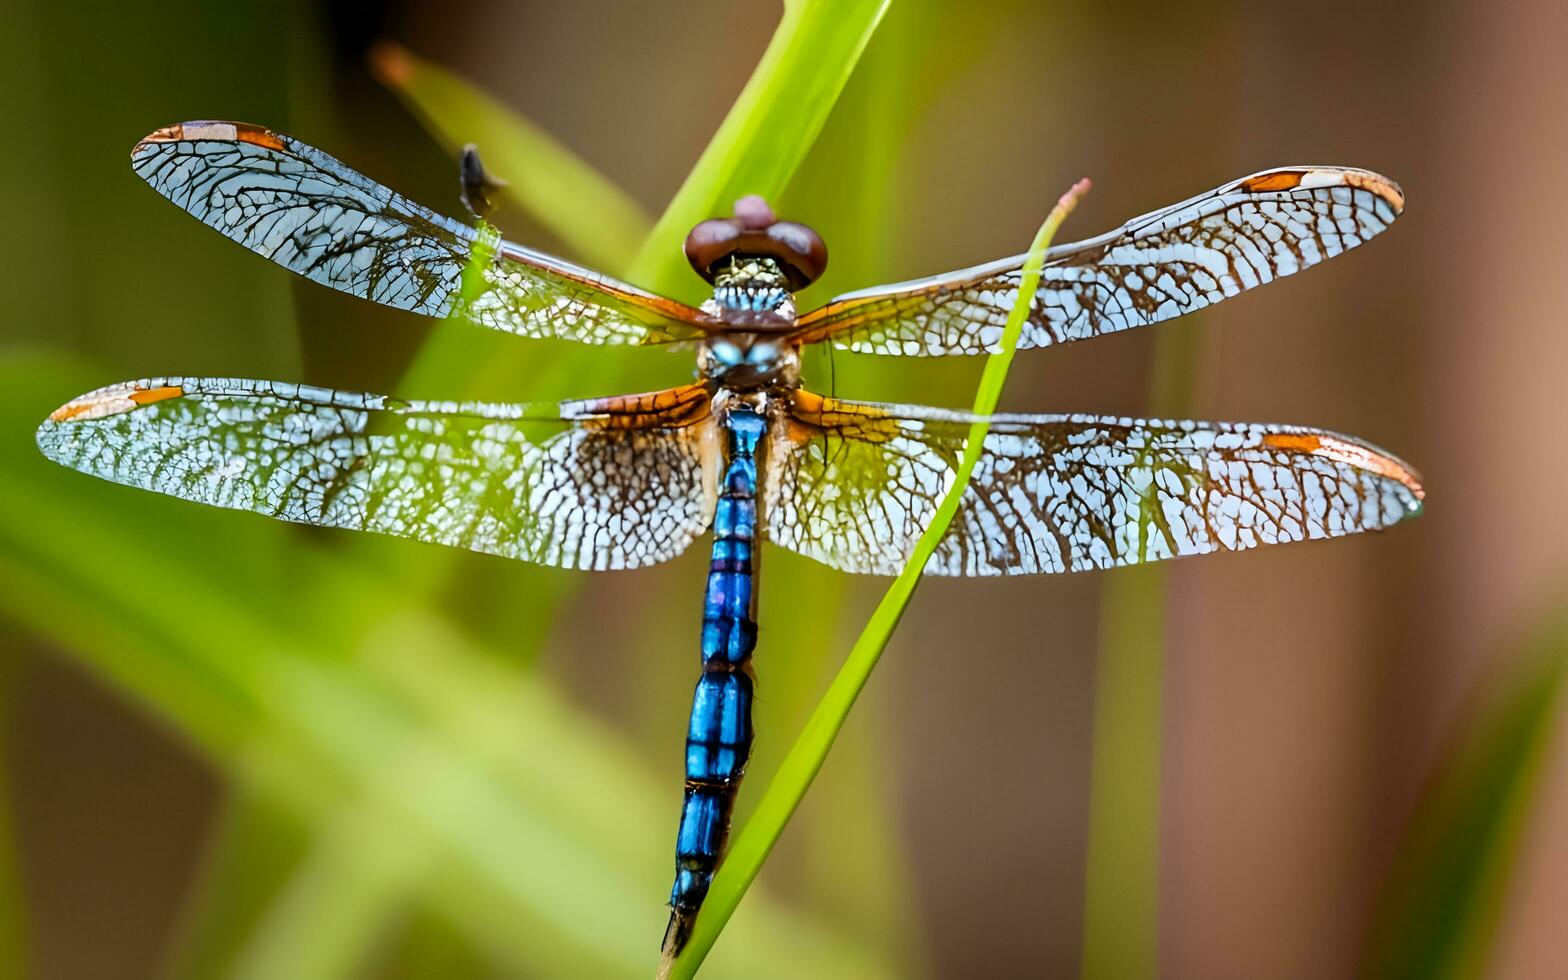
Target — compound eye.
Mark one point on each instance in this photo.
(755, 231)
(801, 251)
(726, 353)
(710, 242)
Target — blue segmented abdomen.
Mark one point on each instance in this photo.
(718, 738)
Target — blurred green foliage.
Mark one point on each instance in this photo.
(1441, 911)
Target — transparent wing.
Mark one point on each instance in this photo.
(311, 214)
(854, 485)
(1162, 265)
(612, 483)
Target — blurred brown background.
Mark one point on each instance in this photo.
(1311, 693)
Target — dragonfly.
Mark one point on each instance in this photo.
(744, 451)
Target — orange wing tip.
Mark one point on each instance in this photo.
(1379, 185)
(217, 130)
(168, 134)
(114, 400)
(1351, 454)
(1312, 177)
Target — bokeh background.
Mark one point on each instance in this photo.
(230, 748)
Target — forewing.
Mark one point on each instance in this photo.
(854, 486)
(613, 483)
(1162, 265)
(311, 214)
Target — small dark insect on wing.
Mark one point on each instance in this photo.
(477, 184)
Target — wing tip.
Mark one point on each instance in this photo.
(1290, 178)
(1414, 505)
(113, 400)
(1384, 187)
(1361, 456)
(218, 130)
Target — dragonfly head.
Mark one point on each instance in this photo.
(755, 236)
(749, 361)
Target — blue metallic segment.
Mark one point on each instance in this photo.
(707, 763)
(741, 478)
(733, 553)
(746, 431)
(718, 737)
(729, 632)
(729, 594)
(736, 516)
(715, 637)
(702, 825)
(692, 884)
(728, 639)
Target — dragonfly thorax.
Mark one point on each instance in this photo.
(749, 361)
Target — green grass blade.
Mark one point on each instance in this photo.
(788, 787)
(599, 222)
(773, 123)
(1121, 884)
(1440, 913)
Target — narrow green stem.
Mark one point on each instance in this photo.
(783, 795)
(1121, 881)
